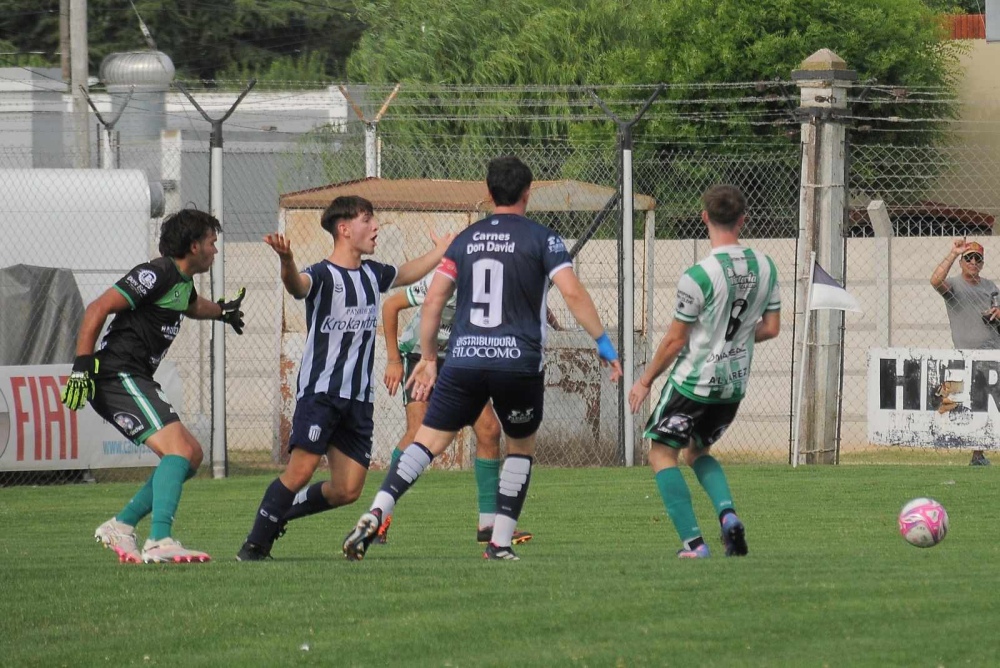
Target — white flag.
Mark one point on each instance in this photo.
(828, 293)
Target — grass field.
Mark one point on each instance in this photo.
(828, 581)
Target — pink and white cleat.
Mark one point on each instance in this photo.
(700, 552)
(169, 551)
(119, 537)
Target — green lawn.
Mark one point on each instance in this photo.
(828, 580)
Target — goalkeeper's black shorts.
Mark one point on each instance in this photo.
(134, 404)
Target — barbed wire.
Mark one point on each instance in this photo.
(497, 88)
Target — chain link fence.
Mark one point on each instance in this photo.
(932, 195)
(769, 178)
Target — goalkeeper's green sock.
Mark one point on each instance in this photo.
(139, 505)
(713, 479)
(677, 499)
(168, 480)
(487, 483)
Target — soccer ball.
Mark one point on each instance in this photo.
(923, 522)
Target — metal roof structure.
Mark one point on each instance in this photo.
(444, 195)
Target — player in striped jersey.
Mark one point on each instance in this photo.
(334, 401)
(725, 304)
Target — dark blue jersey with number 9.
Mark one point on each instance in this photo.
(501, 266)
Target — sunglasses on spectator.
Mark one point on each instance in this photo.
(973, 257)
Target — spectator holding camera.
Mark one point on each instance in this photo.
(973, 304)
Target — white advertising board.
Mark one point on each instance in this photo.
(934, 398)
(38, 433)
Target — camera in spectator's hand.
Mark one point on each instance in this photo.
(988, 317)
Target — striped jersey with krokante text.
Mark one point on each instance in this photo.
(342, 309)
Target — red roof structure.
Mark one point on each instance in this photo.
(965, 26)
(445, 195)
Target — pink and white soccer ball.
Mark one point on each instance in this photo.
(923, 522)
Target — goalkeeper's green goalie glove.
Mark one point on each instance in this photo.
(231, 313)
(80, 386)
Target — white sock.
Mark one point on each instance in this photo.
(513, 488)
(486, 520)
(401, 476)
(384, 502)
(503, 531)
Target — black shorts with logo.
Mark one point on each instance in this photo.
(323, 421)
(677, 419)
(410, 362)
(460, 395)
(135, 404)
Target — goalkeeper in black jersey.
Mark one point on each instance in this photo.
(148, 304)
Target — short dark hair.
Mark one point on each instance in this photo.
(724, 204)
(184, 228)
(345, 207)
(507, 178)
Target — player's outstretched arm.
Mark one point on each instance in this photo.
(297, 284)
(939, 277)
(79, 387)
(391, 307)
(417, 268)
(425, 373)
(579, 302)
(438, 293)
(203, 309)
(670, 347)
(228, 311)
(582, 307)
(769, 327)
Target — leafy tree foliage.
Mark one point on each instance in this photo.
(957, 6)
(682, 43)
(678, 42)
(203, 37)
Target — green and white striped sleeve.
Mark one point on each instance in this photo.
(693, 291)
(774, 295)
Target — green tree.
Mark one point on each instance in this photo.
(957, 6)
(678, 42)
(695, 135)
(203, 38)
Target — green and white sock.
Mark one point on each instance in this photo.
(677, 499)
(168, 480)
(713, 479)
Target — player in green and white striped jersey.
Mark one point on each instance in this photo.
(725, 304)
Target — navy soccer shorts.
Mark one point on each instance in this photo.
(134, 404)
(677, 420)
(460, 395)
(322, 421)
